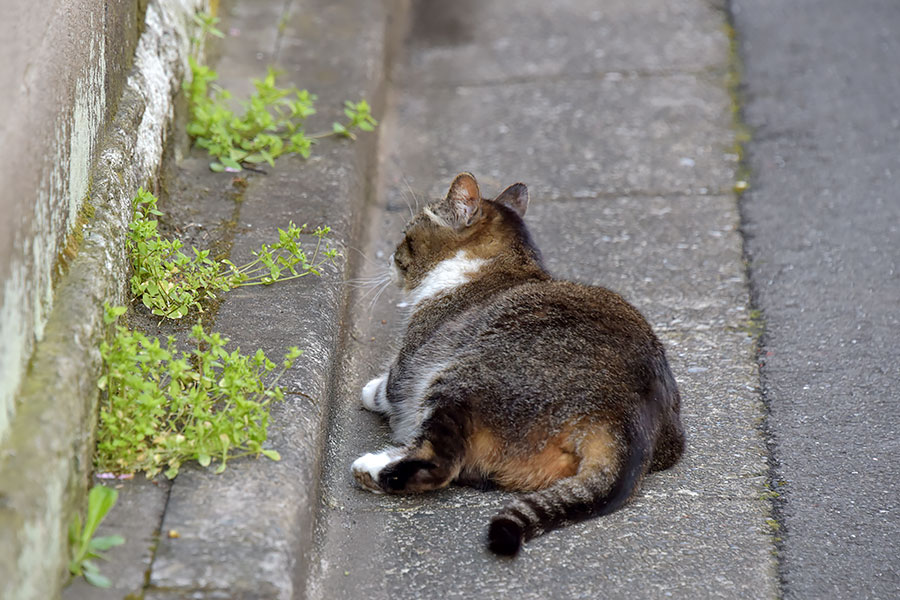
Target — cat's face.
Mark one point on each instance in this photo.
(458, 234)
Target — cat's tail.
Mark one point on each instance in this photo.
(588, 494)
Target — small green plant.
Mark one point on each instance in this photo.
(170, 282)
(360, 115)
(164, 407)
(84, 547)
(272, 123)
(207, 23)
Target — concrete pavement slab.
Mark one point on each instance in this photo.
(261, 511)
(671, 235)
(471, 42)
(240, 534)
(616, 135)
(662, 545)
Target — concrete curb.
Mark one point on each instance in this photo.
(47, 454)
(248, 533)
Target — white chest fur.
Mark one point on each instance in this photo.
(446, 276)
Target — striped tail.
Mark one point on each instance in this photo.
(577, 498)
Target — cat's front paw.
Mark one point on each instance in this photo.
(367, 468)
(373, 396)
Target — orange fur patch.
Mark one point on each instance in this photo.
(488, 454)
(425, 451)
(599, 449)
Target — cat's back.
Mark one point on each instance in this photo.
(557, 313)
(547, 341)
(544, 352)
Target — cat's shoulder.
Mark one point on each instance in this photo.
(565, 292)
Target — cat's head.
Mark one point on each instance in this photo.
(455, 237)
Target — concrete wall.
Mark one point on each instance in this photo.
(86, 102)
(63, 71)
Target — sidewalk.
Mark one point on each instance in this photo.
(617, 117)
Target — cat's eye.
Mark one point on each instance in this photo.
(398, 261)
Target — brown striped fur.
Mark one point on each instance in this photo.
(510, 377)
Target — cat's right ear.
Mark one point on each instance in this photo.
(464, 198)
(514, 197)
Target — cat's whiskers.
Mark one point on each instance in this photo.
(409, 206)
(377, 295)
(373, 286)
(411, 193)
(370, 283)
(365, 282)
(369, 261)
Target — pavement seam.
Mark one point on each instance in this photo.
(617, 75)
(156, 538)
(602, 195)
(775, 499)
(279, 36)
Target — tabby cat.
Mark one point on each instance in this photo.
(507, 376)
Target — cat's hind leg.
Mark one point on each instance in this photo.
(430, 462)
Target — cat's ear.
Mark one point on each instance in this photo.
(514, 197)
(464, 198)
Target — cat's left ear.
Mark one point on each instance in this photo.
(514, 197)
(465, 200)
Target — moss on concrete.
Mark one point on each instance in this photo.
(742, 133)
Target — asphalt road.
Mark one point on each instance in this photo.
(822, 226)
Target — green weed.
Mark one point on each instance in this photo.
(360, 115)
(272, 123)
(170, 282)
(207, 23)
(84, 547)
(163, 407)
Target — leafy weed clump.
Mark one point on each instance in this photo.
(170, 282)
(272, 123)
(164, 407)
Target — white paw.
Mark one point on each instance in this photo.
(367, 467)
(372, 392)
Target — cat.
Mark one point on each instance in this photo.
(509, 377)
